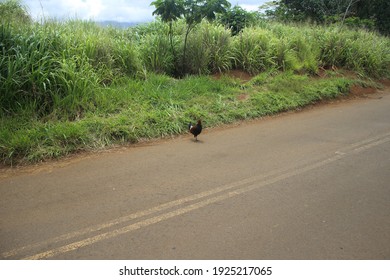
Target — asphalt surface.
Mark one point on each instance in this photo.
(308, 185)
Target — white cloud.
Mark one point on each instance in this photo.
(250, 7)
(118, 10)
(83, 9)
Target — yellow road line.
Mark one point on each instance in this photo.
(242, 186)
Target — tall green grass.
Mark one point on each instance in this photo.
(361, 51)
(253, 51)
(56, 67)
(306, 48)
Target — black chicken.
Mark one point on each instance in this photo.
(195, 129)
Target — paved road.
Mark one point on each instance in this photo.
(307, 185)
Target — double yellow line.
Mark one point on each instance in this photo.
(177, 207)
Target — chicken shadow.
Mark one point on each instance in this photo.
(197, 141)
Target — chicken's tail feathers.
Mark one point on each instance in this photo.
(189, 126)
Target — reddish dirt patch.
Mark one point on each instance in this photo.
(237, 74)
(385, 82)
(361, 91)
(243, 96)
(326, 72)
(322, 73)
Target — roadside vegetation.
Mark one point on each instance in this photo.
(75, 86)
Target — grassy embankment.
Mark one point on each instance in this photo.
(74, 86)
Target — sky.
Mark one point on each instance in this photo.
(104, 10)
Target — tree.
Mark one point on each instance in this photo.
(351, 2)
(377, 10)
(193, 11)
(317, 10)
(214, 7)
(236, 19)
(169, 11)
(358, 12)
(382, 12)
